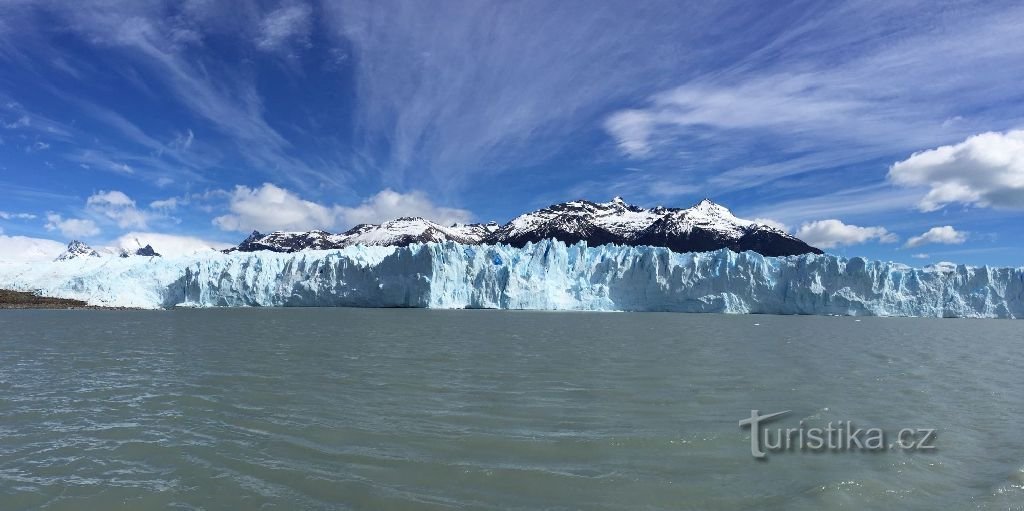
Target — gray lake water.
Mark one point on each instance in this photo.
(420, 409)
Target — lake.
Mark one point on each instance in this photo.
(412, 409)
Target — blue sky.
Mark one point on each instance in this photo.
(884, 129)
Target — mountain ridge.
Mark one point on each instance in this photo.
(703, 227)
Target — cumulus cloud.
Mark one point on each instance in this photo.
(112, 198)
(945, 235)
(25, 249)
(983, 170)
(71, 227)
(118, 207)
(389, 204)
(168, 245)
(271, 207)
(833, 233)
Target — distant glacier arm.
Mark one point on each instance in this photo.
(546, 276)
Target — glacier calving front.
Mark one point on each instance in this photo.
(548, 276)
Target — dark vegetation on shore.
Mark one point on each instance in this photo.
(25, 300)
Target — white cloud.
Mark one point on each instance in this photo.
(832, 233)
(37, 146)
(168, 244)
(983, 170)
(389, 204)
(25, 249)
(169, 203)
(71, 227)
(112, 198)
(118, 207)
(632, 129)
(284, 25)
(921, 256)
(270, 208)
(22, 122)
(182, 142)
(832, 88)
(146, 38)
(485, 93)
(5, 215)
(772, 223)
(781, 101)
(945, 235)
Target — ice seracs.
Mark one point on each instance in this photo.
(548, 275)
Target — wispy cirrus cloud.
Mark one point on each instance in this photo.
(503, 85)
(284, 26)
(172, 47)
(859, 93)
(784, 102)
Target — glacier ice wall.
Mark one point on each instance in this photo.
(548, 275)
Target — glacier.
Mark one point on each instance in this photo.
(548, 275)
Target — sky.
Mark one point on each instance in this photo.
(888, 129)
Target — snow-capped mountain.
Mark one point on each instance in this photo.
(405, 231)
(395, 233)
(284, 241)
(77, 249)
(708, 226)
(704, 227)
(146, 251)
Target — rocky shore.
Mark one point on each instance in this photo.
(25, 300)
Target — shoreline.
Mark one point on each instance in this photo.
(10, 299)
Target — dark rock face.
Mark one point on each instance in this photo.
(770, 243)
(569, 230)
(286, 241)
(704, 227)
(147, 251)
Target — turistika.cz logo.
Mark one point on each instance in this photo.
(838, 436)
